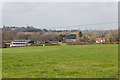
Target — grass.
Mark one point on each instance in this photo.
(65, 61)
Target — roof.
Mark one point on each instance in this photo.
(19, 42)
(99, 38)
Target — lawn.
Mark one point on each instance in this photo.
(65, 61)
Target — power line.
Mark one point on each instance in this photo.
(86, 26)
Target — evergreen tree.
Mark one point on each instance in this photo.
(80, 34)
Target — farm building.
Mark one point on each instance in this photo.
(6, 44)
(21, 43)
(18, 44)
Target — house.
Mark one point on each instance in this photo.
(70, 40)
(100, 40)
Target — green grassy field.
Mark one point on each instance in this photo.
(65, 61)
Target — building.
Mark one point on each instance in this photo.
(5, 43)
(21, 43)
(100, 40)
(18, 44)
(70, 40)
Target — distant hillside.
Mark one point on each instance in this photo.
(23, 29)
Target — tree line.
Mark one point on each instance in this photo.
(85, 36)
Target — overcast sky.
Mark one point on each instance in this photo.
(61, 15)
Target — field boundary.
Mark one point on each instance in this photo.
(87, 43)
